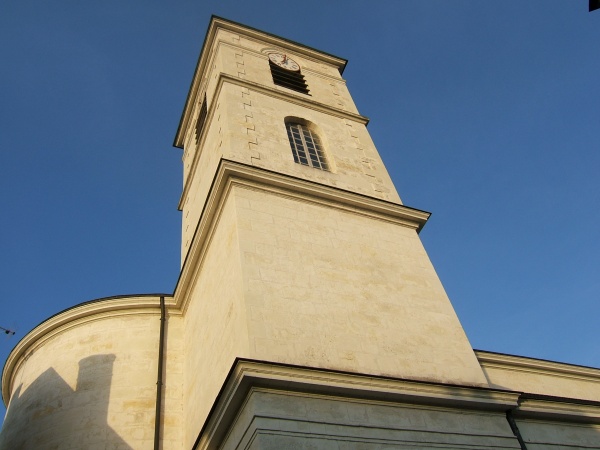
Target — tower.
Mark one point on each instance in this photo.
(296, 246)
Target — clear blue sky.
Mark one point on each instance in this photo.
(485, 113)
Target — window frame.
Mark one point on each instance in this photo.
(306, 145)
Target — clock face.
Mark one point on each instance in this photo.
(284, 62)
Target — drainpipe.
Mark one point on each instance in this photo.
(515, 429)
(159, 381)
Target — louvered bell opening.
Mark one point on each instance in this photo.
(288, 79)
(201, 119)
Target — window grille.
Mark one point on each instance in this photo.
(306, 147)
(201, 119)
(288, 79)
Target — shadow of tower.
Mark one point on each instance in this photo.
(49, 414)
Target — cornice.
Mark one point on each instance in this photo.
(564, 409)
(217, 23)
(249, 376)
(263, 36)
(539, 366)
(77, 315)
(294, 98)
(230, 173)
(293, 187)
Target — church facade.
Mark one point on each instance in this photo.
(307, 313)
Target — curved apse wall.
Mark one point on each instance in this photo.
(85, 376)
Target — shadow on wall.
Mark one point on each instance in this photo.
(51, 415)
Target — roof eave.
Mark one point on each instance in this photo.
(217, 22)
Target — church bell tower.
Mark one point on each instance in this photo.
(296, 247)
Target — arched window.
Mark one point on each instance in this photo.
(306, 146)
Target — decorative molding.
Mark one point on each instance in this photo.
(246, 376)
(230, 173)
(291, 97)
(563, 410)
(537, 366)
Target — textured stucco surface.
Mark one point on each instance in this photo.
(215, 323)
(341, 290)
(87, 384)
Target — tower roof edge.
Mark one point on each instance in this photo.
(216, 23)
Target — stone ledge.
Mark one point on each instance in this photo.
(558, 409)
(246, 376)
(230, 173)
(532, 365)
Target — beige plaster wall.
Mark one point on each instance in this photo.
(194, 197)
(284, 278)
(89, 384)
(215, 322)
(336, 289)
(172, 415)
